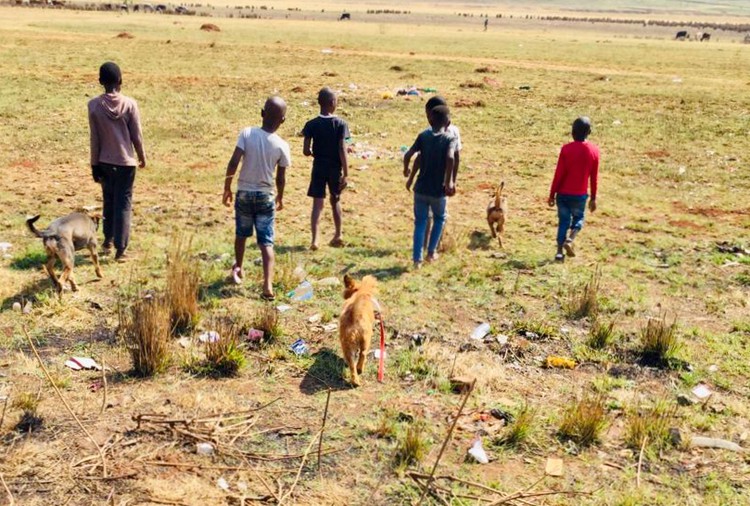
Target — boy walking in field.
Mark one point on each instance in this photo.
(436, 180)
(325, 138)
(452, 129)
(262, 152)
(577, 165)
(116, 139)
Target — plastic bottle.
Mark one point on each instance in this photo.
(481, 331)
(303, 292)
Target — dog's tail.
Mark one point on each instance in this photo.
(499, 194)
(30, 223)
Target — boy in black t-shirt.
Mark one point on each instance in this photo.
(327, 134)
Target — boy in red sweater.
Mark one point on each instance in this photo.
(577, 165)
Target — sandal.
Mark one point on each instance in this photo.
(268, 296)
(559, 257)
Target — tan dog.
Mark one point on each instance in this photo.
(355, 323)
(62, 238)
(497, 211)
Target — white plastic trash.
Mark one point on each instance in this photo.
(222, 484)
(477, 451)
(304, 291)
(204, 449)
(702, 391)
(209, 337)
(481, 331)
(376, 353)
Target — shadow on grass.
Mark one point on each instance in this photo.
(29, 292)
(281, 250)
(326, 372)
(32, 259)
(370, 252)
(382, 274)
(479, 240)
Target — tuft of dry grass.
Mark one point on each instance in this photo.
(30, 420)
(452, 240)
(225, 356)
(584, 420)
(652, 423)
(659, 340)
(267, 320)
(285, 278)
(601, 334)
(583, 301)
(146, 329)
(518, 432)
(412, 447)
(183, 282)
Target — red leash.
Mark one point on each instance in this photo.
(381, 364)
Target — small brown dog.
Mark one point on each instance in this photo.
(355, 323)
(497, 211)
(62, 238)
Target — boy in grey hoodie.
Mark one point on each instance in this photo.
(116, 140)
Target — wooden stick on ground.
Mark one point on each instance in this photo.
(65, 403)
(5, 406)
(445, 442)
(11, 501)
(299, 471)
(640, 463)
(104, 386)
(320, 439)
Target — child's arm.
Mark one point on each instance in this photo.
(556, 180)
(280, 183)
(234, 162)
(594, 184)
(449, 183)
(414, 171)
(306, 146)
(344, 164)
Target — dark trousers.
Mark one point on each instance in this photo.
(117, 192)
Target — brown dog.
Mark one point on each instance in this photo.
(62, 238)
(355, 323)
(497, 211)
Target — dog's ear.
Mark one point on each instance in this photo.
(96, 218)
(348, 281)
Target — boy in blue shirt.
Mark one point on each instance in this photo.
(436, 180)
(327, 134)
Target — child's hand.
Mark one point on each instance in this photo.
(592, 205)
(343, 183)
(227, 199)
(279, 203)
(408, 185)
(450, 189)
(551, 201)
(407, 172)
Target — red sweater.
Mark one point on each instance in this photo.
(578, 162)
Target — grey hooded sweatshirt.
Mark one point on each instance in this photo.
(115, 127)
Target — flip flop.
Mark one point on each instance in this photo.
(268, 296)
(559, 257)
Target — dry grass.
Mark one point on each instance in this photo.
(145, 327)
(30, 420)
(653, 423)
(583, 301)
(225, 356)
(601, 334)
(518, 432)
(183, 282)
(659, 340)
(412, 447)
(584, 420)
(267, 320)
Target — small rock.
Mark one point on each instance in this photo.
(204, 449)
(554, 467)
(702, 392)
(17, 307)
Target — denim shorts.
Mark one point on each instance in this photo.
(255, 210)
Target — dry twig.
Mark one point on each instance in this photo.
(640, 463)
(301, 466)
(322, 427)
(11, 501)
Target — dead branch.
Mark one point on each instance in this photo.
(322, 427)
(214, 468)
(104, 387)
(11, 501)
(301, 465)
(445, 442)
(5, 406)
(65, 403)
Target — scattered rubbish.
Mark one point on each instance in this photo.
(727, 247)
(326, 51)
(222, 484)
(17, 306)
(681, 170)
(501, 414)
(417, 340)
(283, 308)
(27, 307)
(477, 451)
(711, 442)
(79, 363)
(376, 354)
(502, 339)
(254, 335)
(480, 331)
(554, 467)
(387, 95)
(4, 247)
(315, 318)
(617, 122)
(559, 362)
(702, 392)
(184, 342)
(95, 386)
(304, 291)
(209, 337)
(330, 327)
(299, 347)
(205, 449)
(461, 384)
(331, 281)
(684, 400)
(531, 335)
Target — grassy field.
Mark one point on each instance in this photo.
(669, 238)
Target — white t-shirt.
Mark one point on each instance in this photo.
(263, 152)
(453, 129)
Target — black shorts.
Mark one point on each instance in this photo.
(322, 179)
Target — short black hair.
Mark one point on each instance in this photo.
(434, 102)
(110, 74)
(441, 114)
(326, 95)
(581, 128)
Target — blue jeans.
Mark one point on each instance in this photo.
(255, 210)
(422, 206)
(570, 211)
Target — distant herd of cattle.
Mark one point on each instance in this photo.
(701, 36)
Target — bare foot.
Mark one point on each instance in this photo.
(314, 247)
(336, 242)
(432, 257)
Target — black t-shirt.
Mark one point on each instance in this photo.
(433, 147)
(326, 133)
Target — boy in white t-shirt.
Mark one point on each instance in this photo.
(262, 153)
(451, 129)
